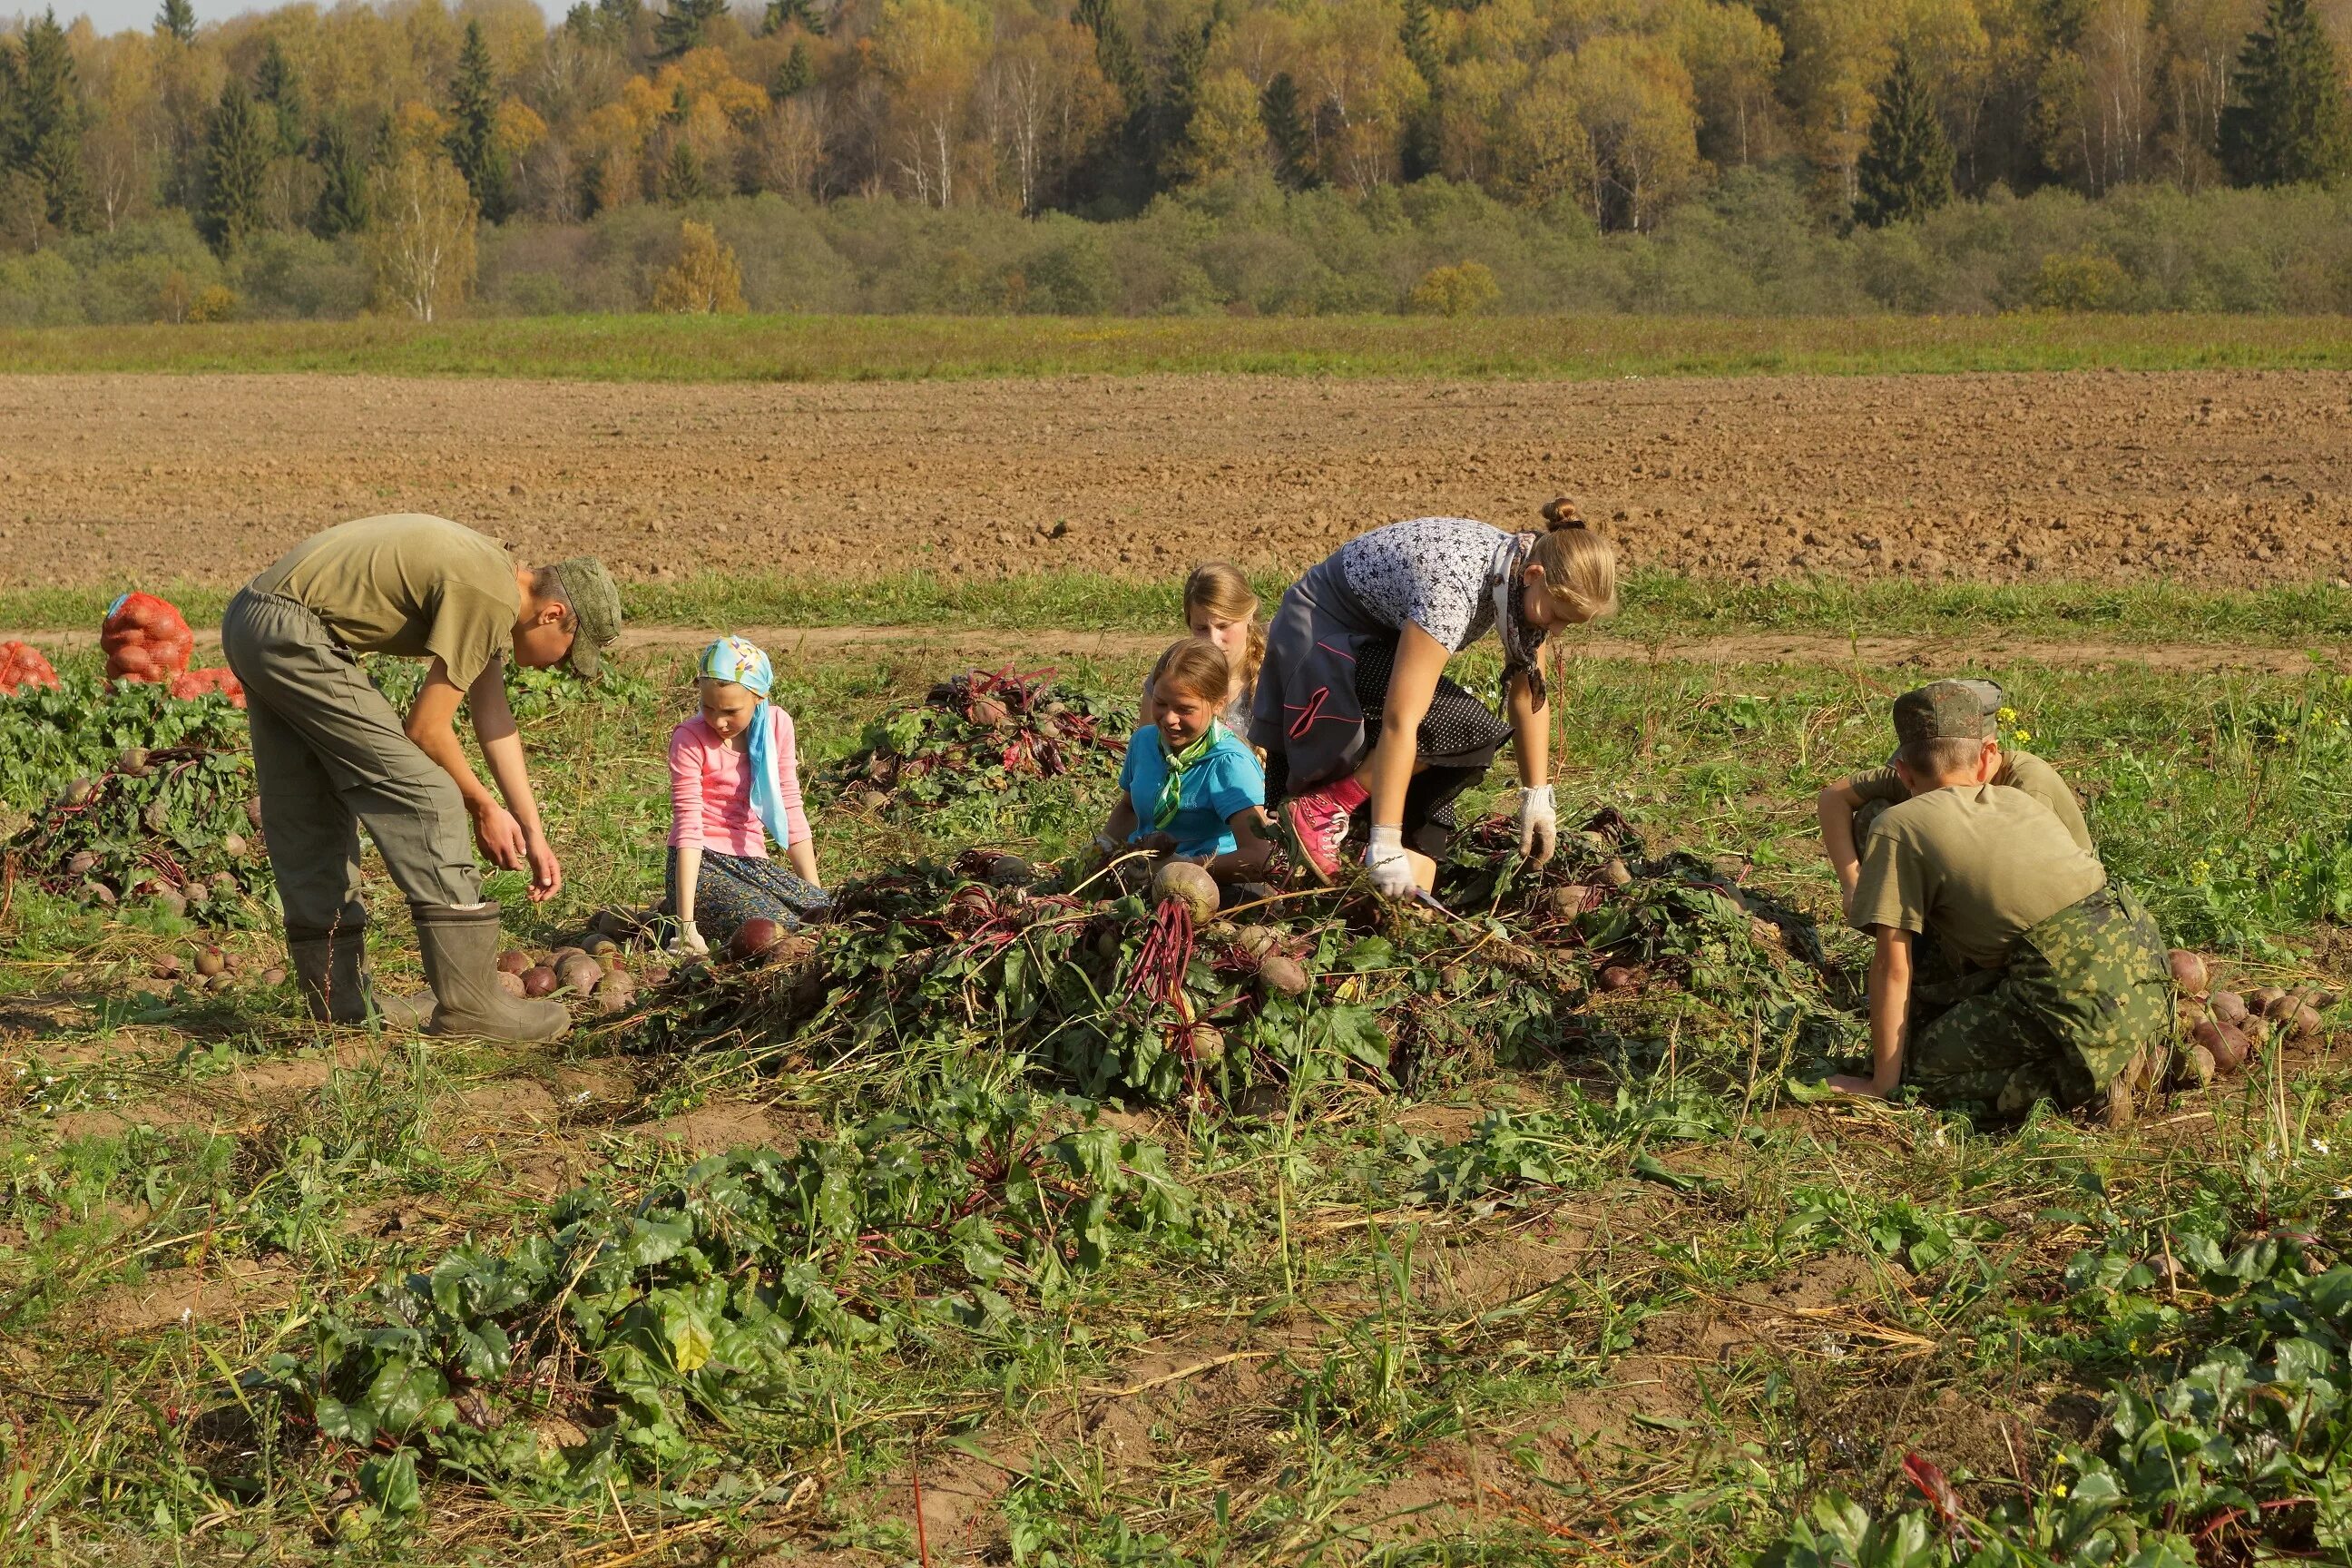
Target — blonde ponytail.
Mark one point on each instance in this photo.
(1579, 561)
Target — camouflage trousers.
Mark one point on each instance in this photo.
(2084, 992)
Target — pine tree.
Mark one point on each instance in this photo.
(686, 26)
(177, 19)
(783, 14)
(1286, 127)
(2289, 122)
(473, 129)
(277, 86)
(1420, 149)
(1905, 169)
(343, 198)
(682, 181)
(41, 134)
(237, 167)
(1122, 172)
(796, 75)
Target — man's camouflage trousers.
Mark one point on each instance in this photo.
(2086, 993)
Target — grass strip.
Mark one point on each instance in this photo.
(1656, 605)
(904, 348)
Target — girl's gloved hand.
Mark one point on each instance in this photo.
(1538, 824)
(1384, 860)
(689, 941)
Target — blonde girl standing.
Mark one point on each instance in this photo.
(734, 783)
(1220, 609)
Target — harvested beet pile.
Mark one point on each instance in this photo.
(177, 826)
(982, 734)
(1162, 993)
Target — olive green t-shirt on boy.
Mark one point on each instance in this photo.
(2020, 769)
(1978, 865)
(412, 585)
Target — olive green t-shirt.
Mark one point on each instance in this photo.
(2020, 769)
(1978, 865)
(420, 587)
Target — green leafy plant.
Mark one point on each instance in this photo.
(637, 1323)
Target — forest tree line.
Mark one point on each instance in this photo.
(403, 126)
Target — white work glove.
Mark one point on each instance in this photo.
(690, 942)
(1384, 859)
(1538, 824)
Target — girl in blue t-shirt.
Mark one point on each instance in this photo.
(1194, 789)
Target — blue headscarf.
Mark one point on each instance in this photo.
(732, 658)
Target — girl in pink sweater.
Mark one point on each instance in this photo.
(734, 782)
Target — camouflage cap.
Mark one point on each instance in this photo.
(595, 611)
(1946, 711)
(1988, 692)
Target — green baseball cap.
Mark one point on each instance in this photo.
(1947, 710)
(596, 612)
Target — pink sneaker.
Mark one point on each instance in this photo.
(1317, 822)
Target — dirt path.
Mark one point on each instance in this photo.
(990, 646)
(2215, 477)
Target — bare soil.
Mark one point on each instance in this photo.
(2217, 477)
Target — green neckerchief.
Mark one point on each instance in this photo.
(1172, 789)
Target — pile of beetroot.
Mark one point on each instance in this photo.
(981, 732)
(2224, 1032)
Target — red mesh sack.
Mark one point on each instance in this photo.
(22, 666)
(145, 638)
(195, 683)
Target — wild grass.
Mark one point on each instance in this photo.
(918, 348)
(1587, 1358)
(1657, 606)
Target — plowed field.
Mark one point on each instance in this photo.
(2216, 479)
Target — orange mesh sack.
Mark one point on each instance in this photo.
(195, 683)
(146, 638)
(22, 666)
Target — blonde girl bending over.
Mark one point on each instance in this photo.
(1353, 708)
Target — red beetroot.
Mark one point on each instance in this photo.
(513, 961)
(146, 639)
(2188, 972)
(754, 940)
(2228, 1048)
(22, 666)
(538, 982)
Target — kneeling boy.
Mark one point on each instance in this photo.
(2060, 989)
(1850, 808)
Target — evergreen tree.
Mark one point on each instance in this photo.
(682, 180)
(1172, 120)
(343, 198)
(1122, 170)
(2289, 122)
(796, 75)
(237, 167)
(1287, 129)
(783, 14)
(1905, 169)
(686, 26)
(41, 121)
(1420, 149)
(277, 86)
(177, 19)
(473, 129)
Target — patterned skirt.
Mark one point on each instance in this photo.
(1321, 694)
(733, 889)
